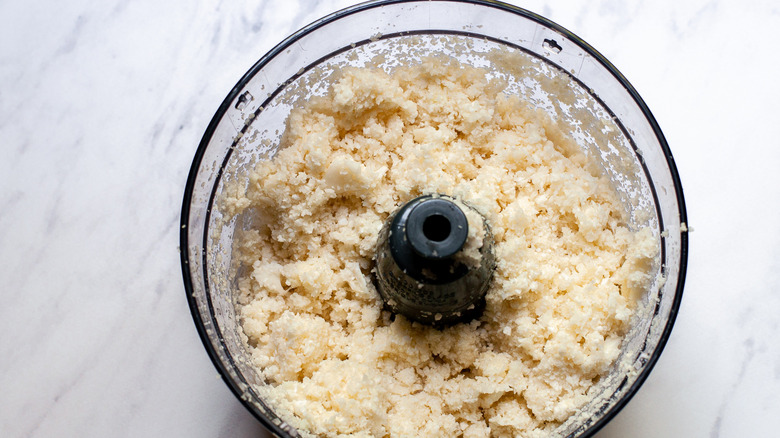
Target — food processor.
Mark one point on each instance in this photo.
(540, 61)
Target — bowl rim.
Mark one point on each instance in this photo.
(357, 8)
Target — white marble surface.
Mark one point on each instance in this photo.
(102, 105)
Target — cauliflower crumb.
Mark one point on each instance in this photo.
(569, 270)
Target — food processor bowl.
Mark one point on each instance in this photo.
(539, 60)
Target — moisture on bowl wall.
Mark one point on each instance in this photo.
(568, 276)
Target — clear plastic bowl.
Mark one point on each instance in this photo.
(547, 64)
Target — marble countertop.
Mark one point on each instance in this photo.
(102, 105)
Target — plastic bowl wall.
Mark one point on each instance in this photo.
(600, 109)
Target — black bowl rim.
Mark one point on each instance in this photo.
(223, 108)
